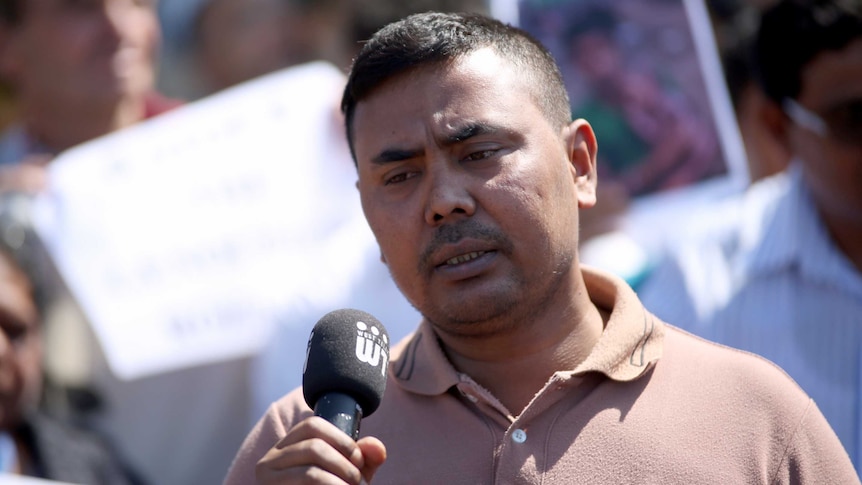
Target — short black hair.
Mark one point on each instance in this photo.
(438, 38)
(11, 11)
(371, 15)
(793, 32)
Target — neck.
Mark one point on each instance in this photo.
(63, 128)
(516, 364)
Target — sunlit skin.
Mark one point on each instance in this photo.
(833, 168)
(457, 162)
(81, 68)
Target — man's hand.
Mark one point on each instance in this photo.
(315, 451)
(29, 176)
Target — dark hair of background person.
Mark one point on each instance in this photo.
(438, 38)
(793, 32)
(734, 23)
(11, 11)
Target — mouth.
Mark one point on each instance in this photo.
(463, 258)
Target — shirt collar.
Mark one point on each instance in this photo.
(631, 342)
(783, 232)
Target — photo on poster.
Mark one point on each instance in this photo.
(635, 71)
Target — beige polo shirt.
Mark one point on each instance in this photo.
(650, 404)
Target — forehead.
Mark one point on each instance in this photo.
(438, 98)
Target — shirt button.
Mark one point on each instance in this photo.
(519, 436)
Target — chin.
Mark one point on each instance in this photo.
(473, 316)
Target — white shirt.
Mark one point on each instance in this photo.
(770, 280)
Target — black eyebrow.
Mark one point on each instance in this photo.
(394, 155)
(468, 131)
(459, 135)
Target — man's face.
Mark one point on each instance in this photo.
(86, 50)
(471, 193)
(20, 346)
(831, 82)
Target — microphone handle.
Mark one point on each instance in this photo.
(341, 410)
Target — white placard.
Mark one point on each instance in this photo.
(9, 479)
(184, 238)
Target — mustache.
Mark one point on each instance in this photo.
(452, 233)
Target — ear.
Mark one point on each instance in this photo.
(765, 132)
(774, 120)
(581, 148)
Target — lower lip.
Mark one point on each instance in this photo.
(470, 269)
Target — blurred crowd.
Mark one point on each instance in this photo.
(774, 267)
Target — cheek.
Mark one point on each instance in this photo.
(535, 193)
(31, 372)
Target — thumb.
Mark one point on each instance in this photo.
(373, 453)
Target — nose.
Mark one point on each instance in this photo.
(449, 195)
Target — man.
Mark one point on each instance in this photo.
(527, 367)
(783, 278)
(80, 69)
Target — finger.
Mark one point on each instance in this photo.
(373, 454)
(317, 427)
(311, 446)
(312, 461)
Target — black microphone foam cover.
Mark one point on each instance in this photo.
(348, 353)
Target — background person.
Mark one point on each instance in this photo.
(239, 40)
(735, 24)
(32, 442)
(781, 276)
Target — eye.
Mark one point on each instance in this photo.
(399, 177)
(480, 155)
(15, 332)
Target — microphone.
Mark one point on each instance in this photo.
(344, 375)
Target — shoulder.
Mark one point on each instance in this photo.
(74, 454)
(706, 373)
(702, 358)
(751, 407)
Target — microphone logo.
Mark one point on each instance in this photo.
(372, 346)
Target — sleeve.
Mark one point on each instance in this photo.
(271, 428)
(815, 455)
